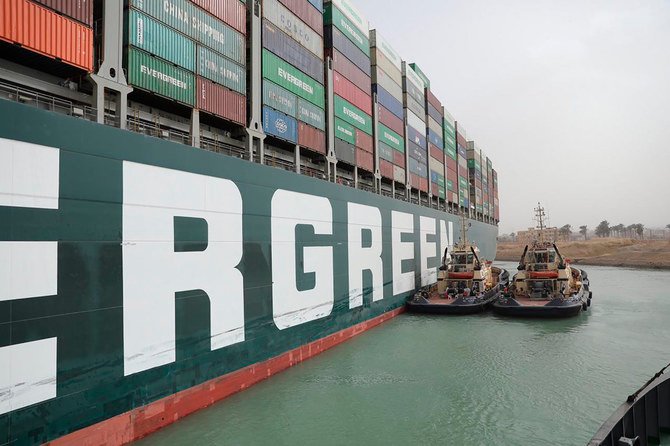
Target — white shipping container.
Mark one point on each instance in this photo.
(399, 174)
(412, 76)
(353, 14)
(434, 126)
(378, 59)
(448, 117)
(285, 20)
(380, 77)
(416, 123)
(436, 166)
(377, 41)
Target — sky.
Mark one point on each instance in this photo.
(569, 98)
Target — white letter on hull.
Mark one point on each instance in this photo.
(290, 305)
(427, 226)
(29, 178)
(446, 238)
(362, 258)
(402, 223)
(153, 272)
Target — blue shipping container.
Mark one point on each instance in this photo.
(435, 139)
(386, 99)
(418, 153)
(417, 168)
(318, 4)
(417, 138)
(280, 125)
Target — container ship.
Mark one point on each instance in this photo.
(197, 194)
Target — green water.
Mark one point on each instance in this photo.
(474, 380)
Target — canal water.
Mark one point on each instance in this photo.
(473, 380)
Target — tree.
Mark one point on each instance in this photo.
(583, 230)
(512, 235)
(565, 232)
(603, 229)
(667, 226)
(619, 230)
(631, 230)
(639, 230)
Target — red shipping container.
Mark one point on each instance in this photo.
(365, 160)
(311, 138)
(386, 169)
(305, 12)
(451, 163)
(453, 176)
(398, 158)
(220, 101)
(41, 30)
(414, 180)
(80, 10)
(435, 188)
(423, 184)
(432, 99)
(232, 12)
(354, 95)
(391, 121)
(461, 140)
(349, 70)
(436, 152)
(364, 141)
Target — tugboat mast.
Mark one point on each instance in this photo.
(540, 216)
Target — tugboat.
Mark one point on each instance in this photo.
(465, 283)
(546, 285)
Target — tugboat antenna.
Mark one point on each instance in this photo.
(540, 216)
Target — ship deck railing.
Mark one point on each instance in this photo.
(136, 124)
(640, 420)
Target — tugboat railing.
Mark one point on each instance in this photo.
(641, 418)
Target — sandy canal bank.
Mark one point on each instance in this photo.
(603, 251)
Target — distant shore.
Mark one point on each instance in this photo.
(628, 253)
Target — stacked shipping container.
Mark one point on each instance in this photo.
(293, 75)
(474, 155)
(449, 136)
(58, 29)
(415, 112)
(387, 85)
(496, 203)
(199, 62)
(347, 38)
(435, 138)
(463, 177)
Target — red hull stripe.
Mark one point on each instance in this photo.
(140, 422)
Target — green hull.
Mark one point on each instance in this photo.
(93, 332)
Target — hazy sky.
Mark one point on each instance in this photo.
(570, 99)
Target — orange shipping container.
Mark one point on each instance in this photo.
(41, 30)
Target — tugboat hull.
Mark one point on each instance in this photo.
(557, 308)
(460, 305)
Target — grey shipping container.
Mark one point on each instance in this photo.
(311, 114)
(282, 18)
(213, 66)
(279, 43)
(385, 151)
(414, 106)
(413, 92)
(279, 98)
(434, 113)
(418, 168)
(80, 10)
(335, 39)
(345, 152)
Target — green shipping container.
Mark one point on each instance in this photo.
(163, 78)
(217, 68)
(421, 74)
(311, 114)
(344, 131)
(450, 186)
(388, 136)
(441, 192)
(147, 34)
(333, 16)
(451, 152)
(440, 181)
(463, 183)
(292, 79)
(279, 98)
(385, 151)
(187, 18)
(353, 115)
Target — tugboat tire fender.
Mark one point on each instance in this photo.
(584, 306)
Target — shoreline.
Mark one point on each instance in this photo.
(653, 255)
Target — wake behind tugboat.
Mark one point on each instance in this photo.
(465, 283)
(546, 285)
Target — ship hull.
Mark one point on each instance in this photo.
(152, 268)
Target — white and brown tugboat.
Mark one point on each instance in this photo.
(546, 285)
(466, 284)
